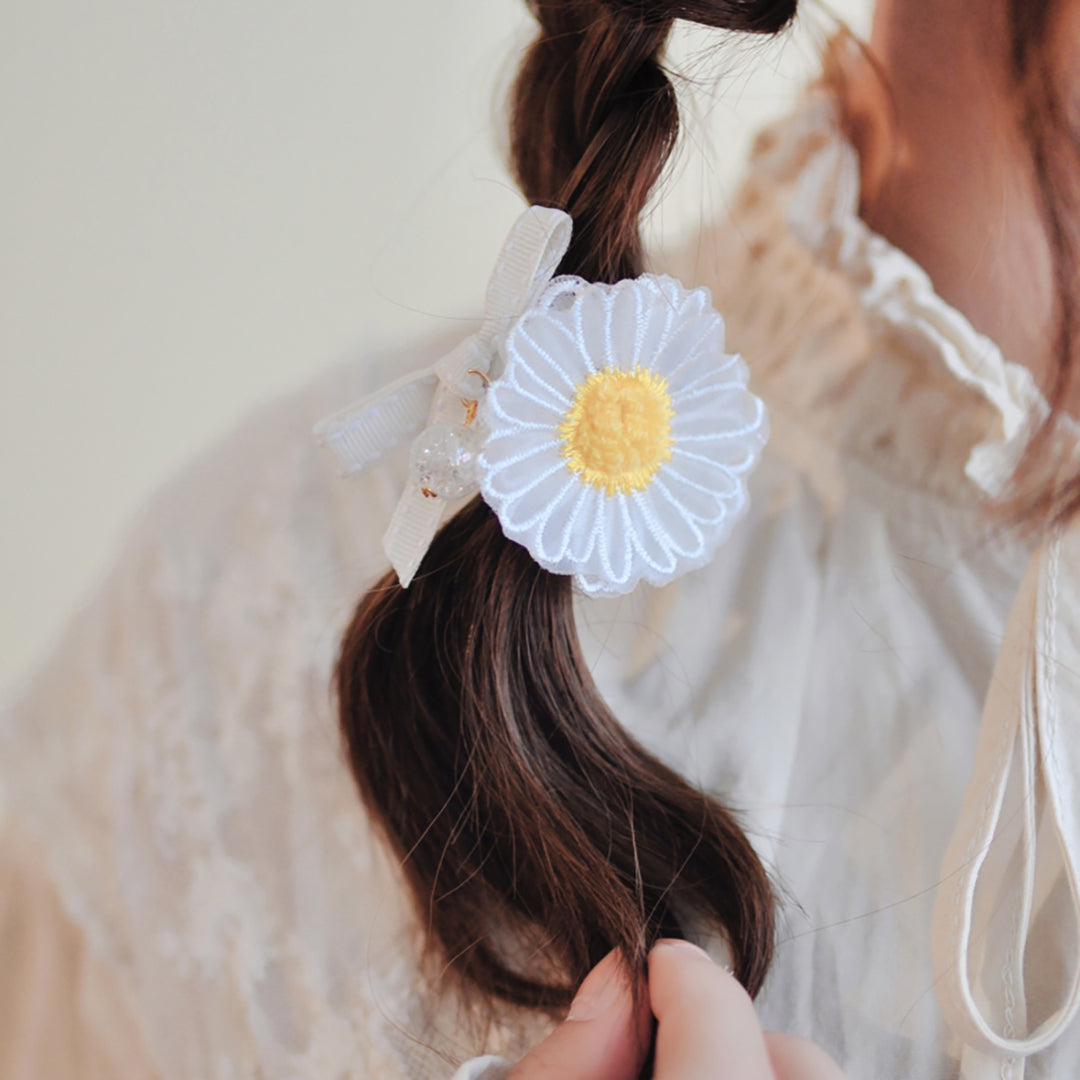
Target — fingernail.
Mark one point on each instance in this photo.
(601, 990)
(685, 946)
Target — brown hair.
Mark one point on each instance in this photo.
(535, 834)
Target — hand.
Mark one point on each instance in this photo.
(706, 1029)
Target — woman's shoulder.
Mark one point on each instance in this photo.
(177, 756)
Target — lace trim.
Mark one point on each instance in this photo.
(895, 294)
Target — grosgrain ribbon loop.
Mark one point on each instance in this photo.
(361, 434)
(1030, 718)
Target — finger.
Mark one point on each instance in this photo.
(708, 1029)
(794, 1058)
(604, 1037)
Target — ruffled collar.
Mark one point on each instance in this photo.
(896, 294)
(867, 319)
(845, 331)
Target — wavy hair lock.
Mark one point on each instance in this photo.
(535, 834)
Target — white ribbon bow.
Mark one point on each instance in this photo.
(361, 434)
(1002, 859)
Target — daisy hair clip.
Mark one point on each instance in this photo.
(605, 425)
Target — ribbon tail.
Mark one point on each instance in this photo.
(361, 434)
(415, 522)
(531, 255)
(1027, 759)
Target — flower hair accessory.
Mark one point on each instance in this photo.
(605, 425)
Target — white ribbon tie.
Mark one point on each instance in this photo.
(361, 434)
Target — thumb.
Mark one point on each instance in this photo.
(604, 1037)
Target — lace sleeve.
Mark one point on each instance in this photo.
(178, 758)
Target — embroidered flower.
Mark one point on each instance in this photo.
(620, 432)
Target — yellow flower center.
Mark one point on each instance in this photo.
(617, 432)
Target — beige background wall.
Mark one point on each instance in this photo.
(203, 204)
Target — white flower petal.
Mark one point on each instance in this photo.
(587, 521)
(508, 444)
(706, 371)
(610, 542)
(736, 507)
(525, 383)
(623, 321)
(733, 456)
(538, 380)
(509, 477)
(691, 343)
(702, 473)
(649, 535)
(730, 414)
(554, 536)
(613, 546)
(513, 405)
(688, 304)
(706, 386)
(590, 322)
(659, 320)
(681, 532)
(530, 506)
(547, 343)
(705, 504)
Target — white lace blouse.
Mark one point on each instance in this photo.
(178, 763)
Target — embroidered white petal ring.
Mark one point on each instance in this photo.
(619, 432)
(614, 440)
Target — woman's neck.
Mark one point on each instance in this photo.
(946, 170)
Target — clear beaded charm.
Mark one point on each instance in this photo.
(442, 460)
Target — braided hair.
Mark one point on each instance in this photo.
(535, 834)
